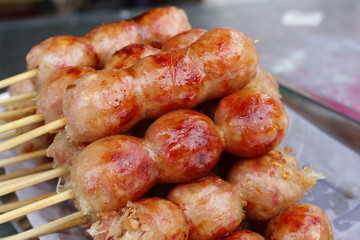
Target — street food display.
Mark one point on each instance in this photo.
(91, 92)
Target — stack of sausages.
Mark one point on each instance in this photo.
(150, 67)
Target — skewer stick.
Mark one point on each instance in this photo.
(23, 182)
(12, 181)
(32, 134)
(17, 98)
(8, 135)
(26, 171)
(71, 220)
(18, 112)
(23, 157)
(71, 224)
(18, 78)
(21, 122)
(14, 205)
(60, 197)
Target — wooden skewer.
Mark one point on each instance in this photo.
(71, 220)
(18, 78)
(18, 180)
(60, 197)
(32, 134)
(23, 157)
(14, 180)
(8, 135)
(17, 98)
(21, 122)
(14, 205)
(18, 112)
(26, 171)
(13, 185)
(68, 225)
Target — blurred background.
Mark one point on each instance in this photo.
(14, 9)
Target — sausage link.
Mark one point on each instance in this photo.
(180, 146)
(243, 234)
(57, 53)
(113, 170)
(95, 48)
(151, 219)
(272, 183)
(253, 122)
(161, 133)
(183, 39)
(51, 92)
(302, 221)
(129, 55)
(266, 82)
(109, 102)
(212, 206)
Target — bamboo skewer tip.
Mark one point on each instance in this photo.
(32, 134)
(13, 185)
(72, 220)
(21, 122)
(17, 98)
(37, 205)
(18, 78)
(17, 112)
(23, 157)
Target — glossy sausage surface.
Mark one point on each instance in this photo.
(272, 183)
(302, 221)
(95, 48)
(253, 122)
(113, 170)
(109, 102)
(212, 206)
(243, 234)
(150, 219)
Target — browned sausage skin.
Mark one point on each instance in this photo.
(129, 55)
(237, 131)
(63, 151)
(113, 170)
(243, 234)
(150, 218)
(183, 39)
(209, 140)
(302, 221)
(93, 50)
(57, 53)
(271, 183)
(253, 122)
(220, 62)
(212, 206)
(153, 27)
(185, 143)
(265, 81)
(49, 100)
(51, 92)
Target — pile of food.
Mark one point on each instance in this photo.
(209, 166)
